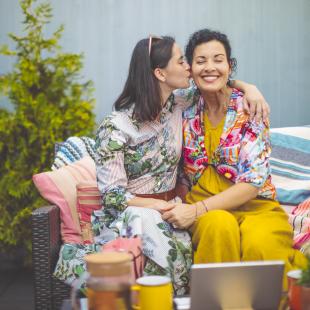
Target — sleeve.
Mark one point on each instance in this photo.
(181, 176)
(184, 97)
(253, 165)
(111, 174)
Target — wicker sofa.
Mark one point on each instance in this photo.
(46, 242)
(46, 238)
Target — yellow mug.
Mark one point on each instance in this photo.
(154, 293)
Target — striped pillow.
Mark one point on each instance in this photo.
(88, 200)
(290, 163)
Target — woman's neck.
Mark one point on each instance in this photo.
(165, 93)
(217, 102)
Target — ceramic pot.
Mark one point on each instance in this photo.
(305, 298)
(294, 290)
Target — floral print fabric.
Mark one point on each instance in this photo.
(244, 148)
(137, 158)
(168, 251)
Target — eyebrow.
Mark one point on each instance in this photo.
(204, 57)
(219, 55)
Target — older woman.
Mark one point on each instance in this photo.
(232, 211)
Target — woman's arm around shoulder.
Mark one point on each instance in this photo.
(254, 102)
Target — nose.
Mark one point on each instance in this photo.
(209, 66)
(186, 66)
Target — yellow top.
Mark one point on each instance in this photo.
(212, 135)
(210, 183)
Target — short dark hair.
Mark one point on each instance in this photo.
(207, 35)
(142, 87)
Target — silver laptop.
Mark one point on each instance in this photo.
(243, 285)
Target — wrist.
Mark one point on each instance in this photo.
(201, 208)
(249, 87)
(159, 201)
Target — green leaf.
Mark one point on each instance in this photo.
(171, 243)
(4, 50)
(114, 145)
(173, 254)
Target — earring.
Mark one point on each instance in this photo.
(230, 82)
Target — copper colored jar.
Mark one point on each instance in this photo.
(109, 281)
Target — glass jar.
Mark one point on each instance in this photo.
(108, 281)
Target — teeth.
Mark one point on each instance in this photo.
(210, 78)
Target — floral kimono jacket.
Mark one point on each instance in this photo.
(243, 151)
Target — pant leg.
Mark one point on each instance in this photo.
(216, 238)
(71, 265)
(267, 235)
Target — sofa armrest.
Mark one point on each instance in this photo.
(46, 242)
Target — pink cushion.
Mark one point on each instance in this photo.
(299, 218)
(59, 188)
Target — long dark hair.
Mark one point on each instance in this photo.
(142, 88)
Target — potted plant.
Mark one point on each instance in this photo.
(50, 101)
(304, 282)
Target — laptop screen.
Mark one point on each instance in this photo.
(241, 285)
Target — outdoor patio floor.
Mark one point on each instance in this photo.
(16, 289)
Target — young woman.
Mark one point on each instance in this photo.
(233, 212)
(138, 149)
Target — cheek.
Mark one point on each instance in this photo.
(176, 79)
(194, 71)
(198, 80)
(194, 74)
(225, 70)
(178, 75)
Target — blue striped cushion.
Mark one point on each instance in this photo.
(290, 163)
(73, 149)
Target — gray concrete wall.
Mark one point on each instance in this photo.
(270, 39)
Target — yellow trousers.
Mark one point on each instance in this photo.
(258, 230)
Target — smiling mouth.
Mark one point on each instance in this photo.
(209, 78)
